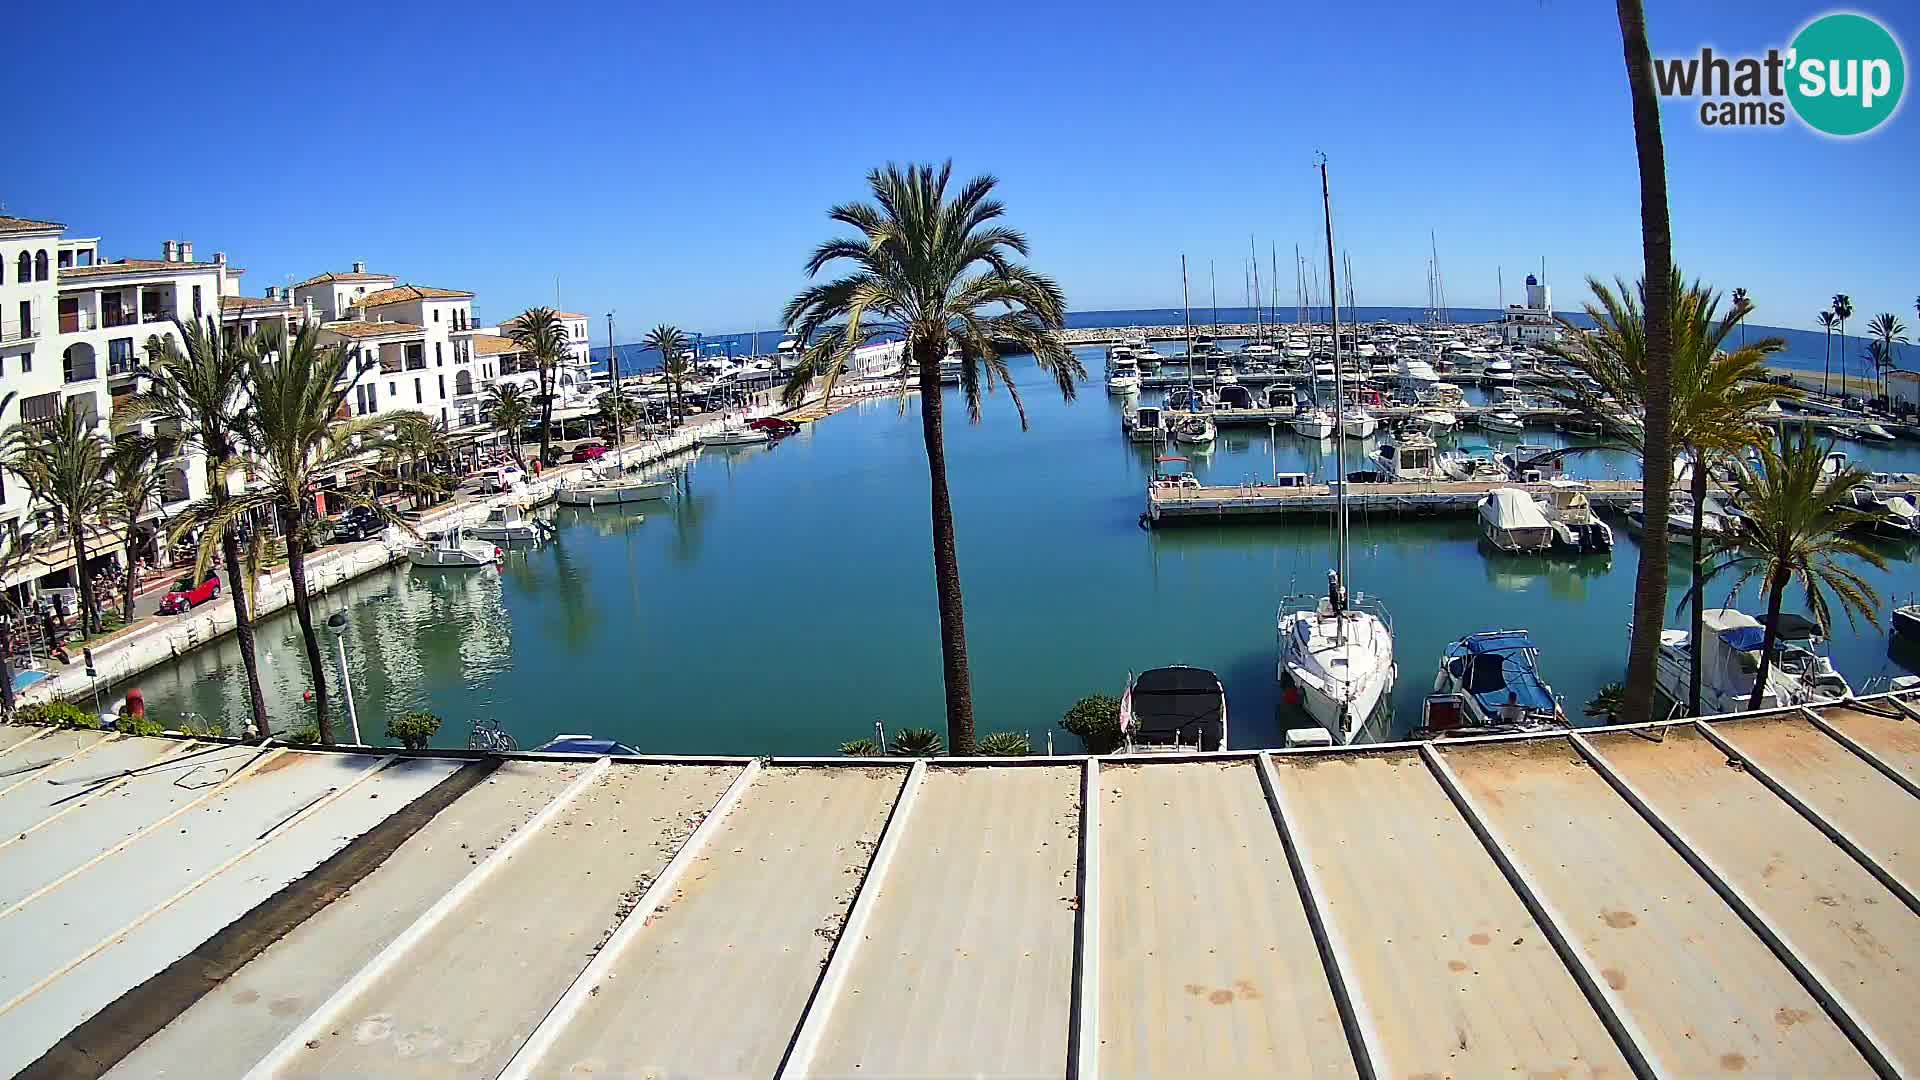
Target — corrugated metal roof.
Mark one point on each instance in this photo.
(1713, 898)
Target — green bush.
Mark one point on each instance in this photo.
(304, 736)
(1004, 744)
(1095, 720)
(916, 742)
(415, 730)
(139, 725)
(861, 748)
(1607, 702)
(63, 714)
(193, 725)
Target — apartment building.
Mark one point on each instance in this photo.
(28, 364)
(412, 343)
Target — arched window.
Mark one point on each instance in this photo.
(26, 269)
(40, 266)
(463, 383)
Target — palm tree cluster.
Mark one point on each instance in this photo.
(543, 335)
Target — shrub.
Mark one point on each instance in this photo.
(1607, 702)
(415, 730)
(861, 748)
(193, 725)
(63, 714)
(130, 724)
(916, 742)
(1004, 744)
(1095, 721)
(303, 736)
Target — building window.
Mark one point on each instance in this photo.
(463, 383)
(436, 314)
(393, 389)
(419, 396)
(119, 354)
(26, 363)
(25, 273)
(66, 259)
(443, 385)
(437, 360)
(26, 318)
(196, 301)
(40, 267)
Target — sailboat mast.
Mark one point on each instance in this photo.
(1339, 397)
(1186, 306)
(1214, 284)
(1253, 256)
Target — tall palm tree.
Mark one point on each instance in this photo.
(1741, 305)
(1794, 529)
(64, 463)
(671, 344)
(199, 394)
(1827, 322)
(409, 450)
(1718, 396)
(1887, 331)
(139, 482)
(1656, 242)
(1842, 311)
(292, 435)
(510, 411)
(930, 267)
(543, 335)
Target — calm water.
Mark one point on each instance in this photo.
(787, 602)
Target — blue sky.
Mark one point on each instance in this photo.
(673, 162)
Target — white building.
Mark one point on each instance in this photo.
(1530, 323)
(29, 367)
(412, 343)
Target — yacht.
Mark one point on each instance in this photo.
(1473, 462)
(1714, 519)
(1323, 374)
(508, 522)
(1512, 521)
(1171, 709)
(733, 436)
(1871, 433)
(1193, 428)
(1281, 399)
(1314, 423)
(454, 549)
(950, 368)
(1498, 373)
(1575, 526)
(1436, 421)
(1336, 657)
(1489, 684)
(1357, 423)
(1235, 396)
(1800, 674)
(1411, 459)
(1146, 424)
(1123, 375)
(612, 489)
(1259, 350)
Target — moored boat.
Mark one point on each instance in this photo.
(1575, 526)
(612, 490)
(1511, 521)
(1492, 681)
(452, 550)
(508, 522)
(1170, 709)
(733, 436)
(1799, 674)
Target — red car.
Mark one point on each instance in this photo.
(185, 595)
(588, 452)
(774, 426)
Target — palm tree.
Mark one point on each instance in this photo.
(293, 437)
(1718, 396)
(510, 410)
(198, 393)
(932, 269)
(1888, 331)
(618, 409)
(138, 482)
(1794, 528)
(1656, 242)
(1827, 322)
(1741, 305)
(671, 344)
(64, 463)
(409, 450)
(1842, 311)
(543, 335)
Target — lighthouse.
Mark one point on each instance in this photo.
(1530, 323)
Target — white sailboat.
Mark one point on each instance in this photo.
(1338, 653)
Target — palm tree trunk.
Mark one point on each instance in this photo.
(1696, 653)
(1827, 371)
(546, 413)
(88, 620)
(946, 564)
(243, 628)
(1776, 589)
(1656, 239)
(303, 607)
(126, 594)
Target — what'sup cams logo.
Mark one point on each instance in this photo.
(1843, 76)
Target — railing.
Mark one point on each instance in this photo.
(19, 331)
(117, 318)
(86, 372)
(129, 366)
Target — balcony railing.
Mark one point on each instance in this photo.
(86, 372)
(15, 330)
(129, 366)
(118, 318)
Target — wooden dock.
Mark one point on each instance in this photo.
(1181, 506)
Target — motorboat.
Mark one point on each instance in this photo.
(1314, 423)
(1498, 373)
(1512, 521)
(1575, 526)
(588, 745)
(1357, 423)
(598, 489)
(1225, 376)
(1281, 399)
(1502, 420)
(1492, 681)
(1714, 519)
(1800, 674)
(1235, 396)
(1473, 462)
(1338, 657)
(1146, 423)
(1885, 515)
(1165, 477)
(1190, 399)
(454, 549)
(1584, 426)
(1123, 375)
(1193, 428)
(508, 522)
(1170, 709)
(1906, 622)
(1872, 433)
(1436, 421)
(733, 436)
(1413, 458)
(1259, 350)
(950, 368)
(1533, 464)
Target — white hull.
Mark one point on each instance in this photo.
(1123, 384)
(468, 556)
(613, 493)
(1314, 425)
(735, 437)
(520, 533)
(1342, 704)
(1359, 427)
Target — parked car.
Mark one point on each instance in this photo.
(588, 452)
(185, 595)
(502, 479)
(358, 523)
(774, 426)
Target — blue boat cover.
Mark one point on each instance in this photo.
(1744, 638)
(1498, 663)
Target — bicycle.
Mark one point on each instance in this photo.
(488, 738)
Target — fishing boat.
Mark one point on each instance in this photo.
(1800, 674)
(1412, 459)
(597, 489)
(1170, 709)
(1145, 424)
(733, 436)
(1193, 428)
(1314, 423)
(1492, 682)
(1502, 420)
(1575, 526)
(454, 549)
(1511, 521)
(1336, 657)
(508, 522)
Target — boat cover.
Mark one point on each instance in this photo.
(1169, 703)
(1513, 508)
(1492, 665)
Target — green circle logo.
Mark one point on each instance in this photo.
(1846, 76)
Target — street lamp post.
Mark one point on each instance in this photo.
(337, 622)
